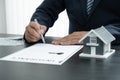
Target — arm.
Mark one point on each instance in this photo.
(47, 12)
(114, 29)
(71, 39)
(74, 37)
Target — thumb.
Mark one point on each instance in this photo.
(42, 29)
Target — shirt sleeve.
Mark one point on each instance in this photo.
(47, 13)
(114, 29)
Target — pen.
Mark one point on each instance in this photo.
(43, 39)
(58, 53)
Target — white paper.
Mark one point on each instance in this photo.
(11, 41)
(44, 53)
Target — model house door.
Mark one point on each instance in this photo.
(93, 50)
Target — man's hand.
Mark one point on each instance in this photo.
(71, 39)
(33, 32)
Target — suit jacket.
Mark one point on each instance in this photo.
(103, 13)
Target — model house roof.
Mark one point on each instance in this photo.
(101, 33)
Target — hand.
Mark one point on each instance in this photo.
(33, 32)
(71, 39)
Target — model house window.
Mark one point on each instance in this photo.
(93, 39)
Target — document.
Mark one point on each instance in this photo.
(11, 41)
(44, 54)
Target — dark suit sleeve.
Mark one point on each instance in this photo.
(47, 12)
(114, 29)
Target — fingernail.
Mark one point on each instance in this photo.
(53, 42)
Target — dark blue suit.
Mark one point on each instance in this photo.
(104, 12)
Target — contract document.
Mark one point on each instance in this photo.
(44, 54)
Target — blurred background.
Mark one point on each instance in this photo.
(16, 14)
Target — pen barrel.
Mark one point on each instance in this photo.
(42, 37)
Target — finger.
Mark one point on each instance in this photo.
(38, 28)
(32, 32)
(70, 39)
(30, 38)
(67, 42)
(59, 42)
(35, 26)
(64, 39)
(31, 35)
(55, 42)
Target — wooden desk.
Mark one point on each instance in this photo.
(75, 68)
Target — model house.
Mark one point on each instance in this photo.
(97, 43)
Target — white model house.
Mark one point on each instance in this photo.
(97, 43)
